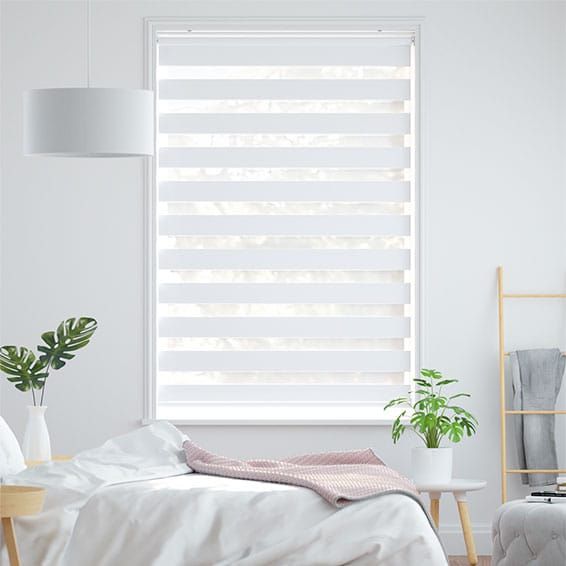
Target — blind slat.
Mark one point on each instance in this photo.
(285, 361)
(275, 393)
(284, 259)
(304, 327)
(393, 191)
(383, 157)
(285, 293)
(323, 123)
(284, 51)
(305, 225)
(288, 89)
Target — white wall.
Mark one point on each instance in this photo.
(494, 179)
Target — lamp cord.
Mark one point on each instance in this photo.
(88, 43)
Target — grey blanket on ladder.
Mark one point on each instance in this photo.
(537, 377)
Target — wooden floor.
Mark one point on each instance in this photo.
(463, 561)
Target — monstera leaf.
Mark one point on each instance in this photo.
(24, 369)
(71, 335)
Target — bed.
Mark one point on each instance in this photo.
(133, 502)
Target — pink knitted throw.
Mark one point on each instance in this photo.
(338, 477)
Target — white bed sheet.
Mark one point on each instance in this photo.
(204, 520)
(144, 454)
(131, 502)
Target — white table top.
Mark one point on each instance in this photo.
(454, 485)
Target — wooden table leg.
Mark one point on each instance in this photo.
(10, 539)
(467, 530)
(435, 508)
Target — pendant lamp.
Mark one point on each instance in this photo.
(88, 122)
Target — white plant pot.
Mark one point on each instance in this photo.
(431, 466)
(37, 446)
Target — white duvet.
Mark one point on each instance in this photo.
(131, 502)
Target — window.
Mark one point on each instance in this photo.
(284, 211)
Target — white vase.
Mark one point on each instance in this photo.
(37, 446)
(431, 466)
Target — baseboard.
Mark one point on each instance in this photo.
(453, 539)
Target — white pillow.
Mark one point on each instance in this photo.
(11, 457)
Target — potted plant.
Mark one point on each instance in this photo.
(29, 372)
(433, 417)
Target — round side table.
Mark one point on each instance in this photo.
(459, 489)
(17, 501)
(56, 458)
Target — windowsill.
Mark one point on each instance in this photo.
(279, 415)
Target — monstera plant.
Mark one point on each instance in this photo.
(433, 416)
(30, 372)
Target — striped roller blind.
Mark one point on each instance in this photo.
(285, 219)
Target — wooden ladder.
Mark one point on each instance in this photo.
(504, 412)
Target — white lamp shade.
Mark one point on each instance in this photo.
(88, 122)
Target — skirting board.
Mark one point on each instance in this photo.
(453, 539)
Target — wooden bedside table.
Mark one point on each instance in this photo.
(459, 489)
(57, 458)
(17, 501)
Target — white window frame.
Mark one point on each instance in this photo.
(327, 413)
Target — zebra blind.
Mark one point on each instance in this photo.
(285, 219)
